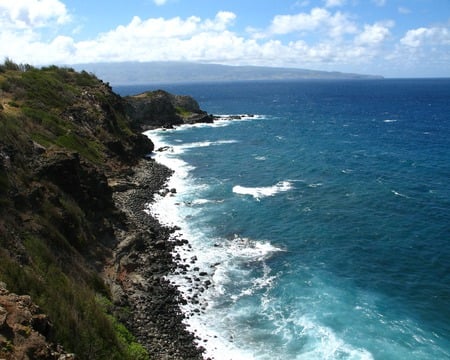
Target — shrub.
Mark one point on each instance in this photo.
(10, 65)
(80, 323)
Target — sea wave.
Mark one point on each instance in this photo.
(265, 191)
(206, 144)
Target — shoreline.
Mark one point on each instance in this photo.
(142, 260)
(149, 252)
(195, 274)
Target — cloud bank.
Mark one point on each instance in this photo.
(323, 38)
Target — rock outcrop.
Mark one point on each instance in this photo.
(160, 109)
(25, 329)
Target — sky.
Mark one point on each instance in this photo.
(393, 38)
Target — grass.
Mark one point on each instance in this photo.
(51, 234)
(182, 111)
(91, 150)
(81, 322)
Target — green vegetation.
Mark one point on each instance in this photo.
(133, 350)
(81, 322)
(182, 111)
(48, 242)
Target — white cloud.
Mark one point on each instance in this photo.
(207, 40)
(374, 34)
(318, 19)
(221, 22)
(423, 51)
(153, 39)
(426, 36)
(319, 39)
(285, 24)
(165, 39)
(29, 14)
(160, 2)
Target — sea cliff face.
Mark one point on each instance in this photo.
(74, 237)
(160, 109)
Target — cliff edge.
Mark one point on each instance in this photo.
(74, 237)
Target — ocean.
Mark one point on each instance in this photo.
(319, 226)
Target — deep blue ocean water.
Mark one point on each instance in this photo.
(323, 222)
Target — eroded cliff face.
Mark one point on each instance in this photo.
(70, 159)
(161, 109)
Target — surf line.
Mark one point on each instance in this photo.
(261, 192)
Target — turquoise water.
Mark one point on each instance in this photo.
(322, 223)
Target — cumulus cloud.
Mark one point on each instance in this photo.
(374, 34)
(426, 36)
(28, 14)
(424, 51)
(318, 19)
(207, 40)
(221, 22)
(319, 38)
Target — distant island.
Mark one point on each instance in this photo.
(138, 73)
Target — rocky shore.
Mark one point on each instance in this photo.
(136, 273)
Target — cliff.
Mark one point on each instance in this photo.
(158, 108)
(74, 239)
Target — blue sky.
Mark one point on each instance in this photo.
(394, 38)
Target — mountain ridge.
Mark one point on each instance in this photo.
(141, 73)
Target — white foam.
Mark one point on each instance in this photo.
(228, 119)
(207, 143)
(202, 201)
(326, 344)
(389, 120)
(228, 264)
(399, 194)
(261, 192)
(222, 120)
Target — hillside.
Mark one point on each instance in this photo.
(74, 179)
(132, 73)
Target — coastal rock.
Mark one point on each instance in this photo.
(142, 259)
(161, 109)
(153, 109)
